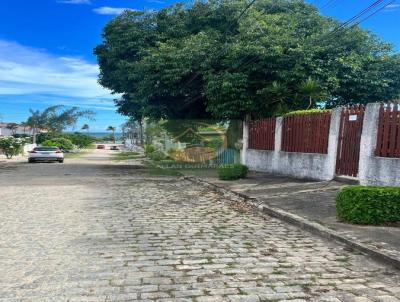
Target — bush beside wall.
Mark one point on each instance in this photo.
(308, 111)
(232, 172)
(368, 204)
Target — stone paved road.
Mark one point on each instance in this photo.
(92, 230)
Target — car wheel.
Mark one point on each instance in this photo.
(31, 161)
(61, 161)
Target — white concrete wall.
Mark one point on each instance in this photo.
(28, 147)
(373, 170)
(7, 132)
(381, 171)
(296, 164)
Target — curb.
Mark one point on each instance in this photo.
(302, 223)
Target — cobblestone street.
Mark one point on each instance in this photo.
(96, 230)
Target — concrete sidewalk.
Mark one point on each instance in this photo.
(315, 202)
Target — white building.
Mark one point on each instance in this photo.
(4, 131)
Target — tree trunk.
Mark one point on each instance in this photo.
(141, 132)
(310, 104)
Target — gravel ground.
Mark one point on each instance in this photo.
(93, 229)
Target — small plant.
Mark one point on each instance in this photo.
(148, 149)
(368, 204)
(157, 155)
(232, 171)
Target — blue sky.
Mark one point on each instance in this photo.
(46, 51)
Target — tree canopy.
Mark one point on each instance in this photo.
(212, 60)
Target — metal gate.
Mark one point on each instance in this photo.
(348, 153)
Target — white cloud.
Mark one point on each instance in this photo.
(156, 1)
(27, 71)
(106, 10)
(392, 7)
(74, 1)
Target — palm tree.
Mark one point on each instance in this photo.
(111, 128)
(56, 119)
(311, 90)
(85, 127)
(35, 122)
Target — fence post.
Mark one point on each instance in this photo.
(278, 134)
(245, 142)
(333, 141)
(278, 144)
(368, 140)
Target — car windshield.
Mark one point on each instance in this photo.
(46, 149)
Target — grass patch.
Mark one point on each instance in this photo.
(75, 155)
(126, 155)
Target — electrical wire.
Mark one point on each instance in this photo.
(340, 28)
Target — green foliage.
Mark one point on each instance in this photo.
(234, 133)
(368, 204)
(27, 137)
(202, 61)
(56, 119)
(78, 139)
(12, 146)
(157, 155)
(60, 142)
(309, 111)
(214, 142)
(151, 152)
(148, 149)
(49, 143)
(232, 171)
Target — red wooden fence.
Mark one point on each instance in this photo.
(388, 140)
(262, 134)
(307, 133)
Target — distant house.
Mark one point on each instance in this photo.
(6, 131)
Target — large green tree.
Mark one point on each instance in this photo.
(212, 60)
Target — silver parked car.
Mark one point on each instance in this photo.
(46, 154)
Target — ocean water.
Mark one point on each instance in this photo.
(102, 134)
(98, 134)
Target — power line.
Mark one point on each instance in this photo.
(340, 28)
(358, 15)
(374, 13)
(329, 2)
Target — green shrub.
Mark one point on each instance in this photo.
(368, 204)
(48, 143)
(42, 137)
(62, 143)
(232, 172)
(309, 111)
(80, 140)
(148, 149)
(157, 155)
